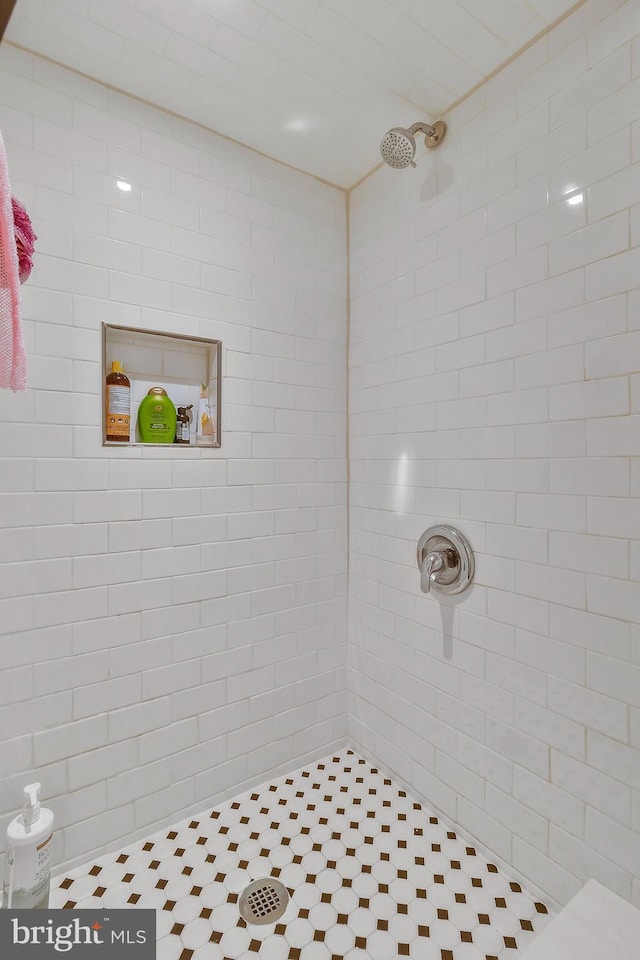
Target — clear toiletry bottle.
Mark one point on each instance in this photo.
(204, 424)
(29, 846)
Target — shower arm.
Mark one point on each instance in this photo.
(421, 127)
(432, 134)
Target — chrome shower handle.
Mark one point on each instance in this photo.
(430, 565)
(445, 560)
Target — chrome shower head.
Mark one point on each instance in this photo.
(398, 146)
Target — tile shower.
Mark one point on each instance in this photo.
(175, 627)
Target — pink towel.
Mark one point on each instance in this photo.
(13, 359)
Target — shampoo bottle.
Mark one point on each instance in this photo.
(157, 417)
(29, 847)
(117, 404)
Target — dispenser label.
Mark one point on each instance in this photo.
(28, 870)
(80, 934)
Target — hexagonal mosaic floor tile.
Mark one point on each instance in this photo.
(371, 874)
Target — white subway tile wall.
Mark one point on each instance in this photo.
(173, 621)
(494, 374)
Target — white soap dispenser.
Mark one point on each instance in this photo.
(29, 848)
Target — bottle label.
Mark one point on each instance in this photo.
(118, 411)
(118, 400)
(29, 870)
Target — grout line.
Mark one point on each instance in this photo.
(347, 203)
(170, 113)
(487, 79)
(261, 153)
(514, 56)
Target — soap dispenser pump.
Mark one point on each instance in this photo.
(29, 847)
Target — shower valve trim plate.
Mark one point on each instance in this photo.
(445, 560)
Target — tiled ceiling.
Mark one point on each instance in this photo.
(314, 83)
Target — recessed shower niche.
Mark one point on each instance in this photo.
(181, 364)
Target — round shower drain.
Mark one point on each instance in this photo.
(263, 901)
